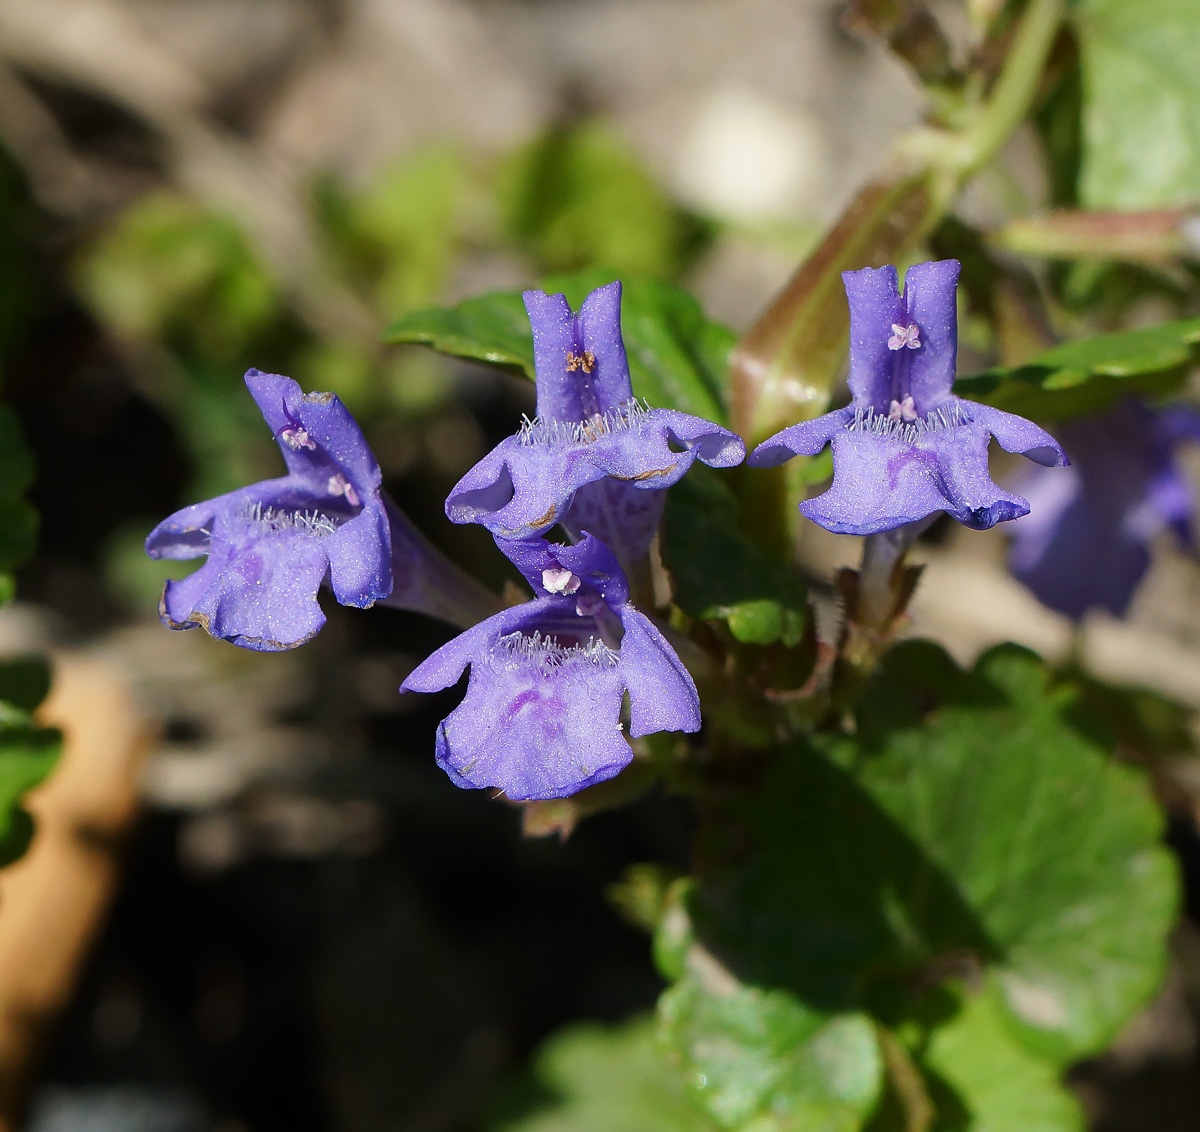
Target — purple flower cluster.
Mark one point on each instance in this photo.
(545, 712)
(542, 717)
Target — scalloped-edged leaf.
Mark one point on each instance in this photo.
(761, 1059)
(609, 1079)
(997, 1081)
(678, 358)
(1089, 374)
(967, 820)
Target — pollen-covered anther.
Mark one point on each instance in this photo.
(588, 605)
(905, 410)
(585, 361)
(339, 485)
(297, 438)
(559, 580)
(904, 335)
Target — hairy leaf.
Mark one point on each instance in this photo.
(997, 1081)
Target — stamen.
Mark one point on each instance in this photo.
(533, 650)
(588, 605)
(558, 580)
(275, 520)
(626, 416)
(339, 485)
(297, 438)
(904, 335)
(902, 422)
(585, 361)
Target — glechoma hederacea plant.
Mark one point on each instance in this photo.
(593, 690)
(920, 889)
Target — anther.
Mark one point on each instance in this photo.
(904, 335)
(339, 485)
(297, 438)
(585, 361)
(559, 580)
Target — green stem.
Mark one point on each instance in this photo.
(1014, 89)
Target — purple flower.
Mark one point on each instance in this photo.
(542, 713)
(1085, 545)
(593, 457)
(272, 544)
(906, 446)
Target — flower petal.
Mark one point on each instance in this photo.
(930, 291)
(662, 694)
(804, 439)
(334, 442)
(554, 334)
(597, 566)
(443, 668)
(878, 483)
(599, 324)
(1016, 434)
(259, 594)
(360, 558)
(525, 484)
(623, 516)
(534, 730)
(875, 305)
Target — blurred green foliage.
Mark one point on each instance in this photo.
(577, 196)
(1141, 106)
(27, 752)
(609, 1080)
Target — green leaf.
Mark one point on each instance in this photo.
(968, 816)
(610, 1080)
(677, 358)
(27, 755)
(397, 235)
(1087, 375)
(1003, 1086)
(761, 1059)
(18, 517)
(578, 196)
(1141, 105)
(170, 270)
(24, 681)
(718, 574)
(490, 328)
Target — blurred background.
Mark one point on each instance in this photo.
(309, 928)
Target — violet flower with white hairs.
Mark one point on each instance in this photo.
(594, 457)
(542, 714)
(906, 446)
(271, 545)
